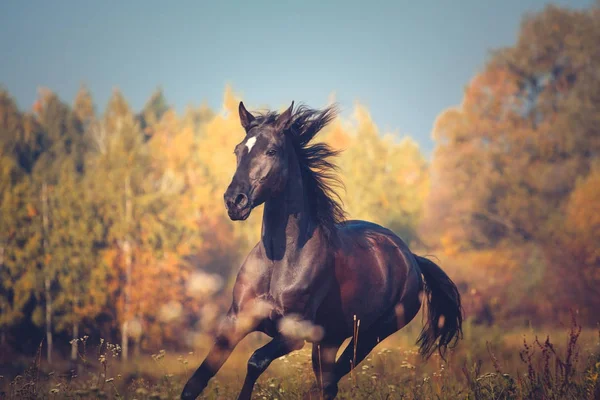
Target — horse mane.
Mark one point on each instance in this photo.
(318, 171)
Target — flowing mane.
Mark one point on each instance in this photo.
(318, 171)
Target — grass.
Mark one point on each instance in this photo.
(488, 364)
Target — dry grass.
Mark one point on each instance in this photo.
(488, 364)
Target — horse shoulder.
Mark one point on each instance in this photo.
(252, 281)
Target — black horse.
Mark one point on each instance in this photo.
(314, 274)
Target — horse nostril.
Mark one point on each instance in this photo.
(241, 200)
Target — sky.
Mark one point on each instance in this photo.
(406, 61)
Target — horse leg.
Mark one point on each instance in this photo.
(229, 335)
(323, 363)
(262, 358)
(367, 340)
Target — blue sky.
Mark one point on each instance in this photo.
(405, 60)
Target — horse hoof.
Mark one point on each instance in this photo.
(186, 395)
(316, 393)
(191, 393)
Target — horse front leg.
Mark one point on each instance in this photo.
(230, 333)
(262, 358)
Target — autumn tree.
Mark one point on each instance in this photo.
(508, 158)
(577, 253)
(17, 278)
(141, 202)
(153, 111)
(80, 276)
(63, 146)
(83, 107)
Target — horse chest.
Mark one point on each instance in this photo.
(284, 278)
(297, 288)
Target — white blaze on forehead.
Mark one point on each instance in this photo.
(250, 143)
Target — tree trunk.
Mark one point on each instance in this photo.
(45, 253)
(137, 348)
(128, 262)
(124, 340)
(74, 342)
(48, 319)
(126, 316)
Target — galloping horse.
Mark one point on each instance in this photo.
(314, 273)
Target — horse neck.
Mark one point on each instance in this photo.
(287, 223)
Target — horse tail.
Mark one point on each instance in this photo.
(444, 311)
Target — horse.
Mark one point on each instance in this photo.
(314, 273)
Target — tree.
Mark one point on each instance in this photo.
(17, 278)
(83, 106)
(577, 250)
(138, 195)
(80, 277)
(153, 111)
(507, 159)
(63, 146)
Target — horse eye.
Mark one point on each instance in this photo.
(271, 152)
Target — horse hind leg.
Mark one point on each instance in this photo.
(389, 323)
(323, 363)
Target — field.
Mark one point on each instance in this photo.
(490, 363)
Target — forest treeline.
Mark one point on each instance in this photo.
(112, 224)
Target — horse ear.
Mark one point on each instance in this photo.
(284, 119)
(245, 117)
